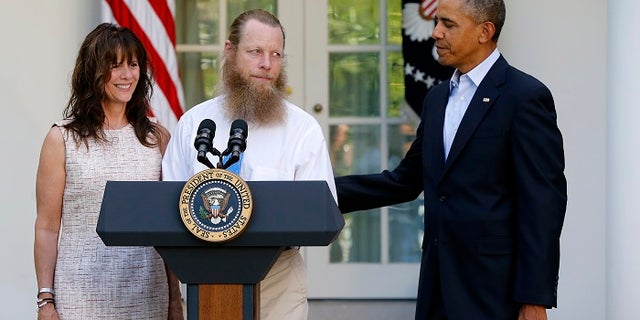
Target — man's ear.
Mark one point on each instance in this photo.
(228, 46)
(488, 29)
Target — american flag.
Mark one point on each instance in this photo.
(153, 22)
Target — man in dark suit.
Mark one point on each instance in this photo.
(488, 156)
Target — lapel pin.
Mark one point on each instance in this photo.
(485, 99)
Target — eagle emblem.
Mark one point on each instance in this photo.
(215, 202)
(215, 205)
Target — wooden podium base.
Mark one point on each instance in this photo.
(223, 302)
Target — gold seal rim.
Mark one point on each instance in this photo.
(245, 204)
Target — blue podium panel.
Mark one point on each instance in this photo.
(285, 214)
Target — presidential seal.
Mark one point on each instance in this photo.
(215, 205)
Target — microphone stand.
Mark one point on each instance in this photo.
(205, 160)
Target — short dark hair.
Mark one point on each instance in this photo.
(493, 11)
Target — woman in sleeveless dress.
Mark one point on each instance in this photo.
(105, 135)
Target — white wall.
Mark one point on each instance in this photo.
(40, 39)
(623, 157)
(561, 43)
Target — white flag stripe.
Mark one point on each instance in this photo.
(172, 7)
(164, 115)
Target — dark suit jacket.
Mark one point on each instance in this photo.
(494, 210)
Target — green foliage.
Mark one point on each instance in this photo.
(234, 8)
(354, 78)
(202, 212)
(354, 22)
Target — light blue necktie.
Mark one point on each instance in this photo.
(235, 168)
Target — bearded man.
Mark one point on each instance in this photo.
(285, 143)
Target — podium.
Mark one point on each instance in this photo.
(222, 278)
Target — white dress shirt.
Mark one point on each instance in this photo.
(462, 87)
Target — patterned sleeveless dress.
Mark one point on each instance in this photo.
(93, 281)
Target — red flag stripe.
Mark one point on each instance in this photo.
(428, 8)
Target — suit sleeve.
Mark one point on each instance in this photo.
(541, 194)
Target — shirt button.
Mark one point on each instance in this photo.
(443, 198)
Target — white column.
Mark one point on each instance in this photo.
(623, 160)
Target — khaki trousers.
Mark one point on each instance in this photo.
(283, 292)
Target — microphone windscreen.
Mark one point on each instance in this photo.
(239, 124)
(207, 124)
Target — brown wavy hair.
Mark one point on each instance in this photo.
(97, 54)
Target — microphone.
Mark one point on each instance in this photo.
(237, 141)
(204, 141)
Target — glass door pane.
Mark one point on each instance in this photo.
(405, 219)
(354, 84)
(356, 149)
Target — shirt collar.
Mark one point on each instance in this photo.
(478, 73)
